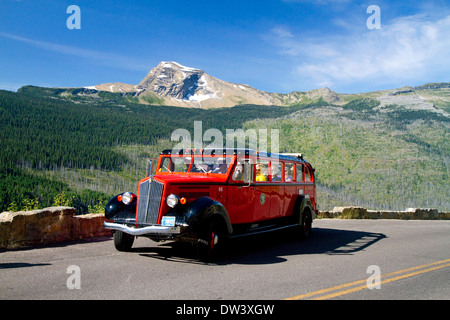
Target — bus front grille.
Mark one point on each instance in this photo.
(149, 201)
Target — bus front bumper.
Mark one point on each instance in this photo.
(149, 230)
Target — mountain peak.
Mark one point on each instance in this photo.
(171, 83)
(177, 66)
(174, 80)
(325, 93)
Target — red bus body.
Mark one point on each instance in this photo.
(199, 195)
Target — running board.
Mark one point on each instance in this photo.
(261, 230)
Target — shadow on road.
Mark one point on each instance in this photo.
(14, 265)
(271, 247)
(61, 244)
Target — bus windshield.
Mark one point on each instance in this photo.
(195, 164)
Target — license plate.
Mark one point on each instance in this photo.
(168, 221)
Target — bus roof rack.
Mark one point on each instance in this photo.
(238, 151)
(296, 155)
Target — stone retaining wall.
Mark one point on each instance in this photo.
(363, 213)
(49, 225)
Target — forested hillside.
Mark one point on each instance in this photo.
(50, 144)
(392, 160)
(69, 146)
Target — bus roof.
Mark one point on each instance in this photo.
(297, 157)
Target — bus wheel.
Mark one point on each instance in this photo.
(210, 241)
(123, 241)
(305, 224)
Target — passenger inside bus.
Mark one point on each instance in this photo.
(220, 166)
(238, 174)
(275, 171)
(259, 175)
(288, 172)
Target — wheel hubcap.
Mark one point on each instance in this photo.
(214, 240)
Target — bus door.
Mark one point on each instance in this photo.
(241, 193)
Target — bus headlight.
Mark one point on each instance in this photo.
(172, 200)
(127, 197)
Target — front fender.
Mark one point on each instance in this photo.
(202, 210)
(117, 210)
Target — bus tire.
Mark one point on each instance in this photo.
(211, 240)
(305, 225)
(123, 241)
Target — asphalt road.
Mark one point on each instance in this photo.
(399, 259)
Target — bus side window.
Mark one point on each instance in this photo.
(288, 172)
(275, 171)
(307, 174)
(299, 169)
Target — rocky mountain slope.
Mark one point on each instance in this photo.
(173, 84)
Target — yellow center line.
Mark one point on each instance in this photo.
(354, 283)
(341, 293)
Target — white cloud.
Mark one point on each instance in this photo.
(103, 58)
(405, 50)
(286, 41)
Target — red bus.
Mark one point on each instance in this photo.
(207, 196)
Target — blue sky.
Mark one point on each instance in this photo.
(276, 46)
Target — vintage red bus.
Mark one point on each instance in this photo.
(209, 195)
